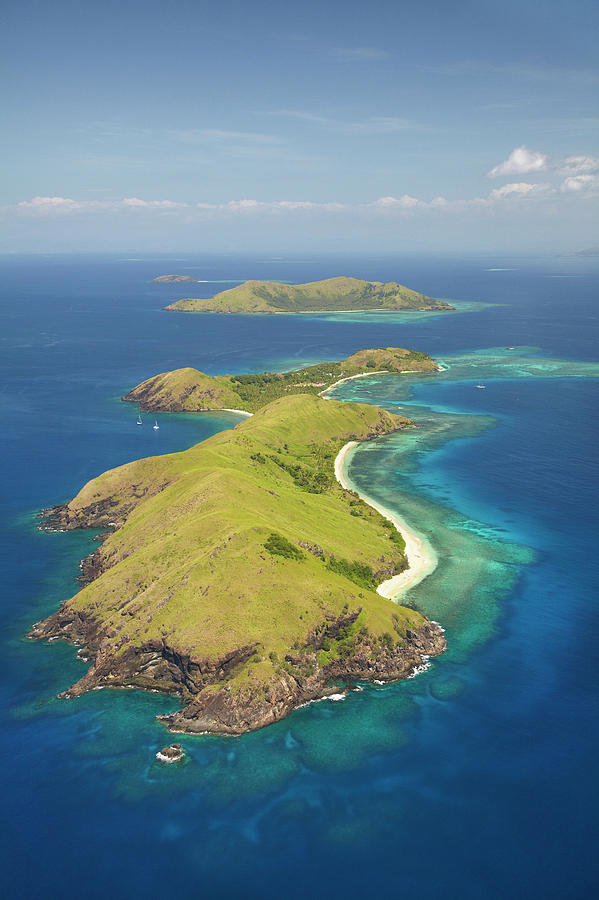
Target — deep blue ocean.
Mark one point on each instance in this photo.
(476, 779)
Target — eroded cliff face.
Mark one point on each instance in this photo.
(214, 703)
(106, 513)
(225, 710)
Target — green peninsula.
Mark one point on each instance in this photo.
(238, 575)
(340, 294)
(188, 389)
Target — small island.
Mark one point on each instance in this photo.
(173, 279)
(189, 390)
(340, 294)
(174, 753)
(239, 575)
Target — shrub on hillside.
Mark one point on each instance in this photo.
(280, 546)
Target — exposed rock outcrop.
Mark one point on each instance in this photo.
(215, 706)
(171, 754)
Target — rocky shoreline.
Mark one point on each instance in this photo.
(211, 706)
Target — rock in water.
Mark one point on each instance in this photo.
(171, 754)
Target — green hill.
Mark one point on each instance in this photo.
(183, 390)
(189, 389)
(330, 295)
(239, 575)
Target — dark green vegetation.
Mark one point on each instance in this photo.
(340, 294)
(280, 546)
(239, 574)
(189, 389)
(359, 573)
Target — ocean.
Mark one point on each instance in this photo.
(476, 778)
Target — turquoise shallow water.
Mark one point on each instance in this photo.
(476, 777)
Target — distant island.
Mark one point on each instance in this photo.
(188, 389)
(588, 252)
(239, 575)
(173, 279)
(331, 295)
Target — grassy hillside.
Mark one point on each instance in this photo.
(331, 294)
(183, 390)
(240, 574)
(188, 389)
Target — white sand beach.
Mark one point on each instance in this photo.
(420, 555)
(351, 378)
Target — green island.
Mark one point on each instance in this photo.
(239, 575)
(188, 389)
(340, 294)
(173, 279)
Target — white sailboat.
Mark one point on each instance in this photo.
(139, 422)
(155, 426)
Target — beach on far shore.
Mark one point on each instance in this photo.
(351, 378)
(421, 557)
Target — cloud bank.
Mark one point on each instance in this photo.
(406, 203)
(60, 205)
(579, 171)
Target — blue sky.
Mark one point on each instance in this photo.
(333, 125)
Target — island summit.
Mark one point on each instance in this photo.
(340, 294)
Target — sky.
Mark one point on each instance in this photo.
(462, 126)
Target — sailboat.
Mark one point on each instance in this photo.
(139, 422)
(155, 426)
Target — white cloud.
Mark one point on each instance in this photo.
(241, 206)
(403, 202)
(157, 204)
(65, 205)
(520, 161)
(577, 165)
(517, 189)
(579, 183)
(305, 204)
(359, 54)
(406, 203)
(43, 205)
